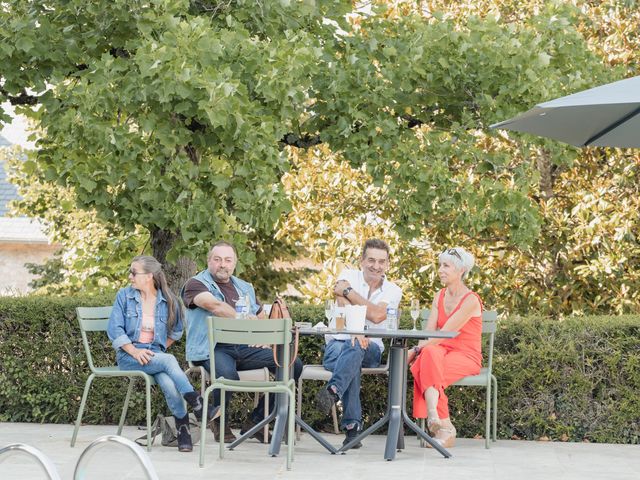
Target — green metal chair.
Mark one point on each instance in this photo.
(247, 332)
(96, 319)
(484, 379)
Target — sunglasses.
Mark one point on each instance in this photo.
(454, 252)
(133, 273)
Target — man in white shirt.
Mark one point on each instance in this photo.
(345, 355)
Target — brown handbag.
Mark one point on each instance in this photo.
(279, 310)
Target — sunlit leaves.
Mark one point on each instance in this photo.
(170, 115)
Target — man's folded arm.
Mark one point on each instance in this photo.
(196, 294)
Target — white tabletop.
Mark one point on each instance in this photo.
(382, 333)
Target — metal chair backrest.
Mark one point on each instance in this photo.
(272, 331)
(489, 319)
(92, 319)
(489, 327)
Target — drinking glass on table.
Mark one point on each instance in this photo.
(329, 309)
(415, 311)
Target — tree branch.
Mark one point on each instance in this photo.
(192, 153)
(119, 52)
(304, 141)
(23, 99)
(413, 121)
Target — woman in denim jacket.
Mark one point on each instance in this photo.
(146, 319)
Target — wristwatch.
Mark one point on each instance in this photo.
(346, 292)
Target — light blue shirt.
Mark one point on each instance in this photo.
(125, 322)
(197, 335)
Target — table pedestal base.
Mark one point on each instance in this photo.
(396, 414)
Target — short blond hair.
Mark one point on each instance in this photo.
(459, 257)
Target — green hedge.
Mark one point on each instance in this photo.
(577, 379)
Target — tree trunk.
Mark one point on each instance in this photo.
(178, 273)
(547, 174)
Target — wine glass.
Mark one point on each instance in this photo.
(329, 308)
(415, 311)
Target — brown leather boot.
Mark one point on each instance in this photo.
(229, 437)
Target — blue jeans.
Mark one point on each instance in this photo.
(346, 361)
(166, 372)
(232, 358)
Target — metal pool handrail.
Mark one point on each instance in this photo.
(43, 460)
(143, 458)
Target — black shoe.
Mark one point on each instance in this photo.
(195, 402)
(183, 433)
(350, 435)
(229, 437)
(259, 435)
(326, 400)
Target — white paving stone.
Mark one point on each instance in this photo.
(513, 460)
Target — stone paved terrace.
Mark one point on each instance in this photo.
(507, 459)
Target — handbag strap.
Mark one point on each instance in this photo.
(296, 338)
(155, 431)
(279, 310)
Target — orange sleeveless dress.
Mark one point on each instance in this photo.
(441, 365)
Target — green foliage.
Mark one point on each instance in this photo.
(167, 115)
(571, 380)
(48, 273)
(168, 120)
(579, 380)
(95, 254)
(551, 227)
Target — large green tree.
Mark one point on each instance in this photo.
(173, 115)
(166, 114)
(586, 254)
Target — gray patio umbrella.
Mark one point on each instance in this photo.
(606, 116)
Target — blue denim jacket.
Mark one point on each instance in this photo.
(197, 335)
(125, 321)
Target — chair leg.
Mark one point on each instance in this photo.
(336, 425)
(148, 401)
(495, 408)
(203, 381)
(421, 423)
(189, 372)
(203, 427)
(266, 414)
(487, 419)
(125, 407)
(256, 401)
(299, 408)
(83, 402)
(291, 421)
(222, 425)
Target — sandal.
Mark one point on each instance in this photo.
(445, 437)
(433, 425)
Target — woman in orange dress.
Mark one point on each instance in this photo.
(437, 363)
